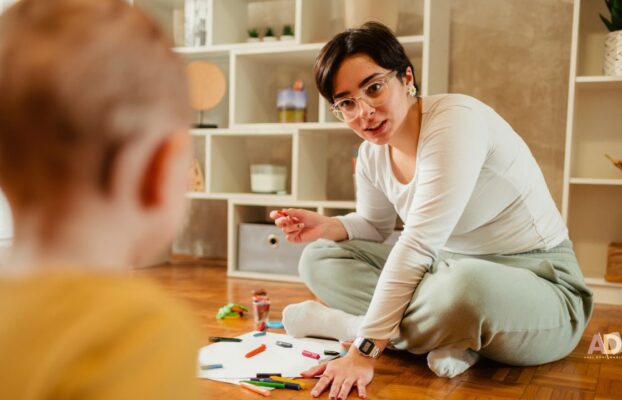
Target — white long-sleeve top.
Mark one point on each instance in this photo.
(476, 190)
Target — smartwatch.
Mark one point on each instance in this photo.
(367, 347)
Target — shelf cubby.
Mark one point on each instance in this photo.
(594, 221)
(231, 157)
(219, 115)
(259, 77)
(325, 169)
(326, 18)
(235, 17)
(597, 130)
(591, 38)
(240, 213)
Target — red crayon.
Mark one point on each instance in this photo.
(310, 354)
(256, 351)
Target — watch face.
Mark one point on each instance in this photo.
(366, 346)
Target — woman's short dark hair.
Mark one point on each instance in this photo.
(373, 39)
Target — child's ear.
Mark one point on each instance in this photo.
(160, 165)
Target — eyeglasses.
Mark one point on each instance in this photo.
(374, 94)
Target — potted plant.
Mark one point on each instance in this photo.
(612, 63)
(253, 35)
(288, 33)
(269, 36)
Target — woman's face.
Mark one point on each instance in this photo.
(379, 124)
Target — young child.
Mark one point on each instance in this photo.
(94, 154)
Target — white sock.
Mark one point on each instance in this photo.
(311, 318)
(449, 362)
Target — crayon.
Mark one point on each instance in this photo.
(224, 339)
(256, 389)
(210, 366)
(276, 385)
(310, 354)
(284, 344)
(287, 380)
(331, 353)
(274, 325)
(262, 333)
(267, 374)
(256, 351)
(288, 385)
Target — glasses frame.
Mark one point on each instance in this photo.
(384, 78)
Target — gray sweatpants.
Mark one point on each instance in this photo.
(521, 309)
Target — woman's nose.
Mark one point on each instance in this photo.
(365, 109)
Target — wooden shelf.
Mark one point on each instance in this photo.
(592, 181)
(599, 82)
(591, 199)
(318, 153)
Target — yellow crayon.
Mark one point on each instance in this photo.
(281, 379)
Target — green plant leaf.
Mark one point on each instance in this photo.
(606, 22)
(615, 9)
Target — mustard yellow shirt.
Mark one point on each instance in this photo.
(80, 336)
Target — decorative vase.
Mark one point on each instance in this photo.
(612, 63)
(357, 12)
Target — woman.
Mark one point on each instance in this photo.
(483, 266)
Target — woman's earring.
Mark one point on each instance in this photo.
(412, 90)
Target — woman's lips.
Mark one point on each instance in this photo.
(377, 129)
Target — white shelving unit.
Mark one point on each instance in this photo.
(318, 153)
(592, 196)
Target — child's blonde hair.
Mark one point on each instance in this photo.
(79, 79)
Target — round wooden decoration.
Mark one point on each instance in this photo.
(207, 85)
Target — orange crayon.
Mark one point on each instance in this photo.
(256, 351)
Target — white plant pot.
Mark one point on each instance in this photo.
(269, 39)
(357, 12)
(612, 62)
(253, 40)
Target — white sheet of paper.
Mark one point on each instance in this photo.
(275, 359)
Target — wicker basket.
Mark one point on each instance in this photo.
(614, 263)
(612, 63)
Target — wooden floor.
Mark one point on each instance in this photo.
(400, 375)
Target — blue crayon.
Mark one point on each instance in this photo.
(259, 334)
(210, 366)
(274, 325)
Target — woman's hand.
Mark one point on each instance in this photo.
(305, 226)
(342, 375)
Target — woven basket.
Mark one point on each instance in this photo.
(612, 64)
